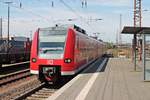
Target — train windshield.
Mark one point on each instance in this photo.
(51, 43)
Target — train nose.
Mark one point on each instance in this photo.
(49, 73)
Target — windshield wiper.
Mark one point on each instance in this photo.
(52, 49)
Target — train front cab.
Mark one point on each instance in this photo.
(49, 54)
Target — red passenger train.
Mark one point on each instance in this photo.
(62, 51)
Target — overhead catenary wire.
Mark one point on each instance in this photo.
(73, 11)
(20, 7)
(89, 18)
(31, 12)
(38, 15)
(70, 8)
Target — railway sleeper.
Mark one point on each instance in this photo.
(43, 93)
(46, 90)
(32, 98)
(39, 96)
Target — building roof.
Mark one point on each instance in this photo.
(135, 30)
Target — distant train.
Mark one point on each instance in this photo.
(62, 51)
(14, 51)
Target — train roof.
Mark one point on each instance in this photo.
(73, 26)
(77, 28)
(64, 27)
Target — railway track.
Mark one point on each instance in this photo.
(42, 91)
(11, 68)
(14, 83)
(20, 84)
(15, 88)
(14, 76)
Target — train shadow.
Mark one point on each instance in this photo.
(97, 65)
(104, 67)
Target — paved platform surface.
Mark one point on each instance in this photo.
(117, 82)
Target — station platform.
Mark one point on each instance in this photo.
(117, 82)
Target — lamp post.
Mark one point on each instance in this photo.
(1, 28)
(8, 3)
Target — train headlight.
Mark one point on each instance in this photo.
(68, 60)
(33, 60)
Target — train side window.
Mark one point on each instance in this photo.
(77, 42)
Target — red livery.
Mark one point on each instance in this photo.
(62, 50)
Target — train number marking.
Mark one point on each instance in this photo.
(50, 62)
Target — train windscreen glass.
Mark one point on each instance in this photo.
(51, 44)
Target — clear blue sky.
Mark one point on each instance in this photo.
(40, 13)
